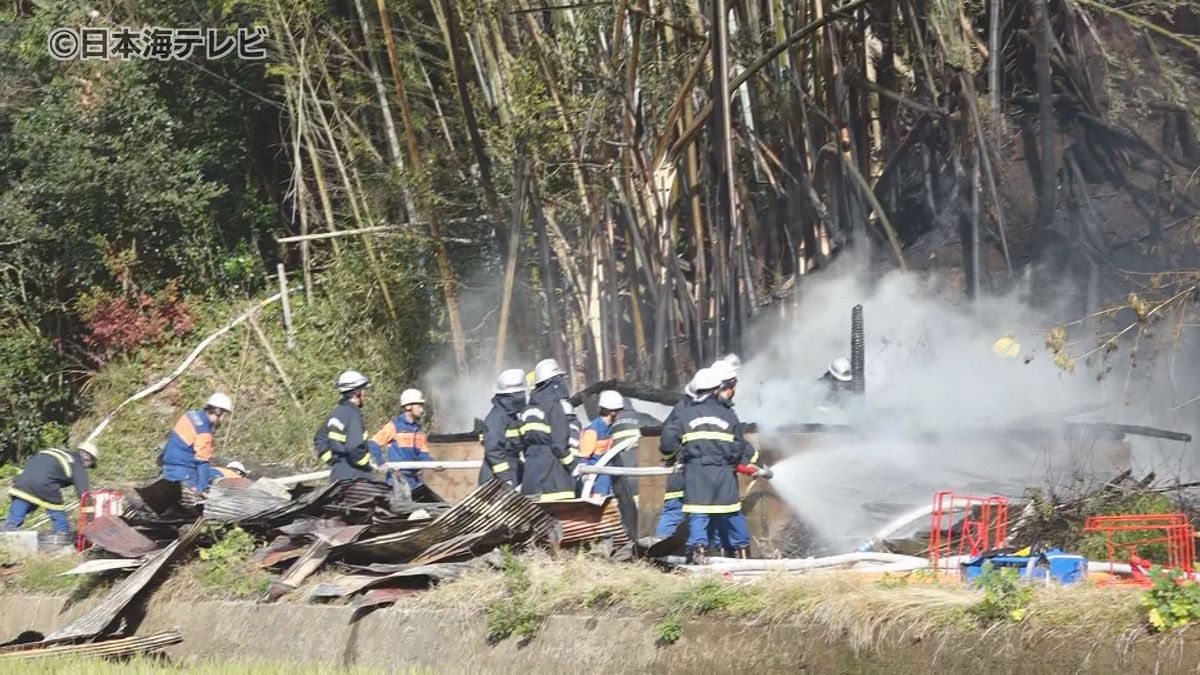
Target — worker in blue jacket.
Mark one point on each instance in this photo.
(187, 455)
(41, 482)
(402, 439)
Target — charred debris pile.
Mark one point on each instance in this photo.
(384, 542)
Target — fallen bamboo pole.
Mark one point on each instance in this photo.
(283, 376)
(287, 306)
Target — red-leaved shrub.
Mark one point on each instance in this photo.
(120, 324)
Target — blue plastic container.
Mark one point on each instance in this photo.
(1063, 568)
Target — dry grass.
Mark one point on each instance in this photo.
(39, 574)
(863, 610)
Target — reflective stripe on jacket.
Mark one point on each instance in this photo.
(669, 444)
(712, 445)
(501, 439)
(45, 475)
(340, 442)
(546, 438)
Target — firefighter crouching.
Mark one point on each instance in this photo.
(501, 435)
(713, 447)
(186, 458)
(341, 442)
(546, 437)
(41, 482)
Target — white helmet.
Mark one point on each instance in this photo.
(611, 400)
(546, 369)
(352, 380)
(237, 466)
(706, 379)
(724, 370)
(510, 381)
(733, 360)
(411, 396)
(90, 448)
(219, 401)
(839, 368)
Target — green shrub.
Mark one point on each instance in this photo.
(1172, 602)
(1005, 596)
(669, 631)
(226, 566)
(515, 613)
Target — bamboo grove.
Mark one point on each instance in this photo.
(650, 174)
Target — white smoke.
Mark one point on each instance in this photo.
(936, 399)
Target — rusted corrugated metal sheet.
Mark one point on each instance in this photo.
(310, 525)
(353, 502)
(583, 521)
(408, 575)
(488, 507)
(233, 500)
(312, 558)
(342, 586)
(104, 615)
(113, 534)
(108, 648)
(467, 545)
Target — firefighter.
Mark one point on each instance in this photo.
(597, 437)
(672, 511)
(41, 482)
(188, 452)
(546, 437)
(837, 380)
(501, 435)
(403, 438)
(341, 442)
(713, 450)
(231, 470)
(626, 434)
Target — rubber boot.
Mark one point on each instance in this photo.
(698, 556)
(742, 553)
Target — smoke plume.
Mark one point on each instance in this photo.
(942, 409)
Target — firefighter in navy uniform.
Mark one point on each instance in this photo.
(714, 450)
(501, 435)
(41, 482)
(546, 437)
(341, 441)
(672, 511)
(627, 433)
(836, 383)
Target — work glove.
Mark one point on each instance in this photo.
(764, 472)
